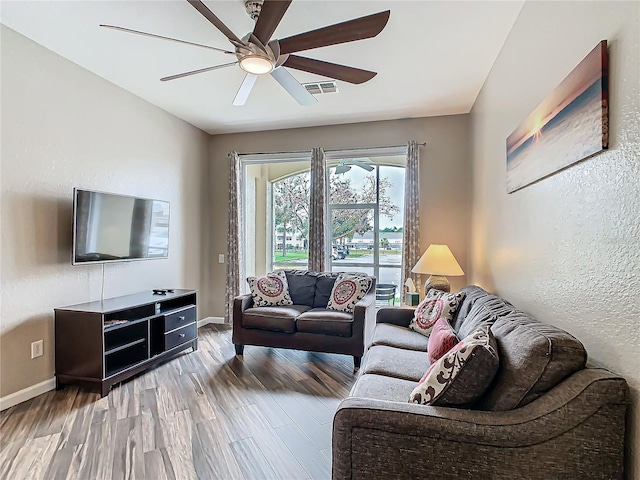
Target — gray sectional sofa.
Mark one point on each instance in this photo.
(545, 416)
(307, 324)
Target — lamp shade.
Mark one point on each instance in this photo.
(438, 260)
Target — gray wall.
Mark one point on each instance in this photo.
(444, 177)
(566, 249)
(64, 127)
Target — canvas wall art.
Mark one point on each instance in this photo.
(571, 124)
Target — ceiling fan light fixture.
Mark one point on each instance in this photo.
(256, 64)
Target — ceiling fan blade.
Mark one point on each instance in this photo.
(209, 15)
(349, 31)
(256, 41)
(245, 89)
(195, 72)
(331, 70)
(153, 35)
(342, 168)
(293, 87)
(271, 13)
(366, 166)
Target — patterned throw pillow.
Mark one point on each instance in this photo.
(270, 290)
(462, 375)
(441, 340)
(348, 290)
(435, 305)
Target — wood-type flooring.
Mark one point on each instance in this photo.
(204, 415)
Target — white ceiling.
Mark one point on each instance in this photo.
(432, 57)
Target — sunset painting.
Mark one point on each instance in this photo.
(570, 125)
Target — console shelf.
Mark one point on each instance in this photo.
(126, 345)
(92, 352)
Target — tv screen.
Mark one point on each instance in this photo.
(113, 228)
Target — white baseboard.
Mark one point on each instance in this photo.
(208, 320)
(27, 393)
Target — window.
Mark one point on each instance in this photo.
(365, 205)
(366, 213)
(291, 220)
(272, 235)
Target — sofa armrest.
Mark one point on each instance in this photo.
(586, 411)
(364, 314)
(396, 315)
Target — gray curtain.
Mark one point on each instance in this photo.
(317, 212)
(234, 247)
(411, 231)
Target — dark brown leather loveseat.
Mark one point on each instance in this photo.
(307, 324)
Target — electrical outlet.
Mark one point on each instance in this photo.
(221, 258)
(36, 349)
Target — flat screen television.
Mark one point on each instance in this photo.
(114, 228)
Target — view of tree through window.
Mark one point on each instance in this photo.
(347, 222)
(354, 198)
(291, 217)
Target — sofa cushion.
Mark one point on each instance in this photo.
(324, 285)
(436, 304)
(382, 388)
(534, 358)
(441, 340)
(480, 315)
(325, 321)
(461, 376)
(270, 289)
(471, 294)
(302, 286)
(396, 362)
(485, 311)
(278, 319)
(400, 337)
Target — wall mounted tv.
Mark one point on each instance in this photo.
(116, 228)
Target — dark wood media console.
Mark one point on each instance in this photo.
(99, 344)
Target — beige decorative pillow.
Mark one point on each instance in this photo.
(436, 304)
(462, 375)
(348, 290)
(269, 290)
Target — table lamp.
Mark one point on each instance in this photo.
(439, 262)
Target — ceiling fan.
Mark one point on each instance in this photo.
(345, 165)
(257, 54)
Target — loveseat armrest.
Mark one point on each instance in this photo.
(240, 304)
(574, 431)
(400, 316)
(243, 302)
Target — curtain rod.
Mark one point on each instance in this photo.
(423, 144)
(292, 152)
